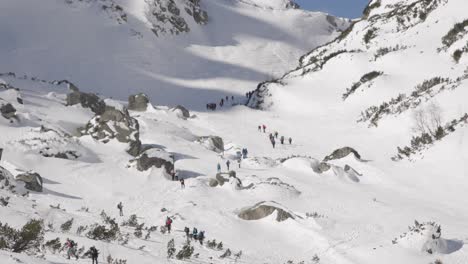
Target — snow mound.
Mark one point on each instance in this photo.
(264, 209)
(302, 164)
(426, 237)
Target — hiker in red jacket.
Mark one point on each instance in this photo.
(168, 224)
(264, 127)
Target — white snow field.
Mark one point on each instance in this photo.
(240, 45)
(295, 203)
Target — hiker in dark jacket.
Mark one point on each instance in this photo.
(290, 141)
(187, 232)
(93, 253)
(120, 207)
(276, 134)
(227, 164)
(273, 142)
(282, 140)
(201, 237)
(182, 183)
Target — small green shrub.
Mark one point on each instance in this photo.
(28, 238)
(186, 252)
(65, 227)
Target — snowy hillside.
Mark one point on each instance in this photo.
(192, 52)
(368, 164)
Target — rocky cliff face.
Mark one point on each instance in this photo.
(172, 16)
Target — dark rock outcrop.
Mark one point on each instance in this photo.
(32, 180)
(86, 100)
(262, 210)
(341, 153)
(155, 158)
(138, 102)
(213, 143)
(183, 110)
(7, 110)
(118, 124)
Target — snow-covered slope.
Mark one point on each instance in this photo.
(202, 50)
(313, 200)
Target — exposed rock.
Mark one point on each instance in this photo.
(262, 210)
(322, 167)
(213, 143)
(7, 110)
(32, 180)
(154, 158)
(213, 182)
(138, 102)
(184, 112)
(341, 153)
(166, 16)
(221, 180)
(118, 124)
(87, 100)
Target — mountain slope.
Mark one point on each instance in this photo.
(110, 46)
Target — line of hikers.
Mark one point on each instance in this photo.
(249, 94)
(212, 106)
(175, 177)
(72, 246)
(200, 236)
(273, 137)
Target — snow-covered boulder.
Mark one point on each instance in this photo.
(427, 237)
(154, 158)
(181, 112)
(86, 100)
(50, 143)
(138, 102)
(213, 143)
(32, 180)
(264, 209)
(115, 122)
(341, 153)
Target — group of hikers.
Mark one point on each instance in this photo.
(249, 94)
(274, 136)
(200, 236)
(175, 177)
(240, 155)
(72, 246)
(212, 106)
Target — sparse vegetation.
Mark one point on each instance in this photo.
(455, 34)
(111, 260)
(364, 79)
(370, 34)
(426, 139)
(171, 248)
(108, 232)
(53, 245)
(186, 252)
(132, 221)
(386, 50)
(65, 227)
(27, 239)
(457, 54)
(226, 254)
(402, 102)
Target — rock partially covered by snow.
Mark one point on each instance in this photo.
(181, 112)
(154, 158)
(32, 180)
(7, 110)
(138, 102)
(264, 209)
(86, 100)
(341, 153)
(213, 143)
(427, 237)
(322, 167)
(50, 143)
(118, 124)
